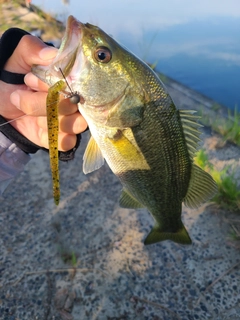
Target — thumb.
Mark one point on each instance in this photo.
(29, 51)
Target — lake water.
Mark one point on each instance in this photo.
(195, 42)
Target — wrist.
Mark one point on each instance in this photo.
(16, 137)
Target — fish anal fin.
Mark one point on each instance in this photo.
(201, 188)
(158, 234)
(127, 201)
(92, 158)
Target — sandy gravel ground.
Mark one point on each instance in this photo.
(85, 259)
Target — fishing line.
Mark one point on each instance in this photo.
(9, 121)
(74, 97)
(24, 115)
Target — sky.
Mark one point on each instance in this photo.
(134, 13)
(169, 22)
(192, 40)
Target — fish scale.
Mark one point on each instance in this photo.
(149, 186)
(147, 142)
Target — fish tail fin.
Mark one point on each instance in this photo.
(158, 234)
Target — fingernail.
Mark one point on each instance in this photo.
(31, 80)
(15, 99)
(48, 53)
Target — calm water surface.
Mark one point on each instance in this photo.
(194, 42)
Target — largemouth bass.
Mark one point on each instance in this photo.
(147, 142)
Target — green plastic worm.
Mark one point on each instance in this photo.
(53, 99)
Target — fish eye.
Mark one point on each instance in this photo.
(103, 54)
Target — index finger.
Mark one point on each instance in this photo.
(29, 51)
(35, 83)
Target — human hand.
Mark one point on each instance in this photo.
(25, 105)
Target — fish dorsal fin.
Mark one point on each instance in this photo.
(92, 158)
(191, 130)
(201, 188)
(127, 201)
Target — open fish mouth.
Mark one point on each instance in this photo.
(69, 61)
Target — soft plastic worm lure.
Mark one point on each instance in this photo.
(53, 99)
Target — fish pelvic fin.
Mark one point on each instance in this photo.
(158, 234)
(127, 201)
(201, 188)
(92, 158)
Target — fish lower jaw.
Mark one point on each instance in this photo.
(92, 116)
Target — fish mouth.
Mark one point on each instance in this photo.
(69, 59)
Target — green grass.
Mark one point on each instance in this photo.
(68, 257)
(228, 195)
(235, 233)
(11, 17)
(202, 160)
(229, 128)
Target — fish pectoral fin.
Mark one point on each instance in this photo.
(92, 158)
(127, 201)
(158, 234)
(201, 188)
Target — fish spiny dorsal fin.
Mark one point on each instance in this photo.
(201, 188)
(92, 158)
(191, 130)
